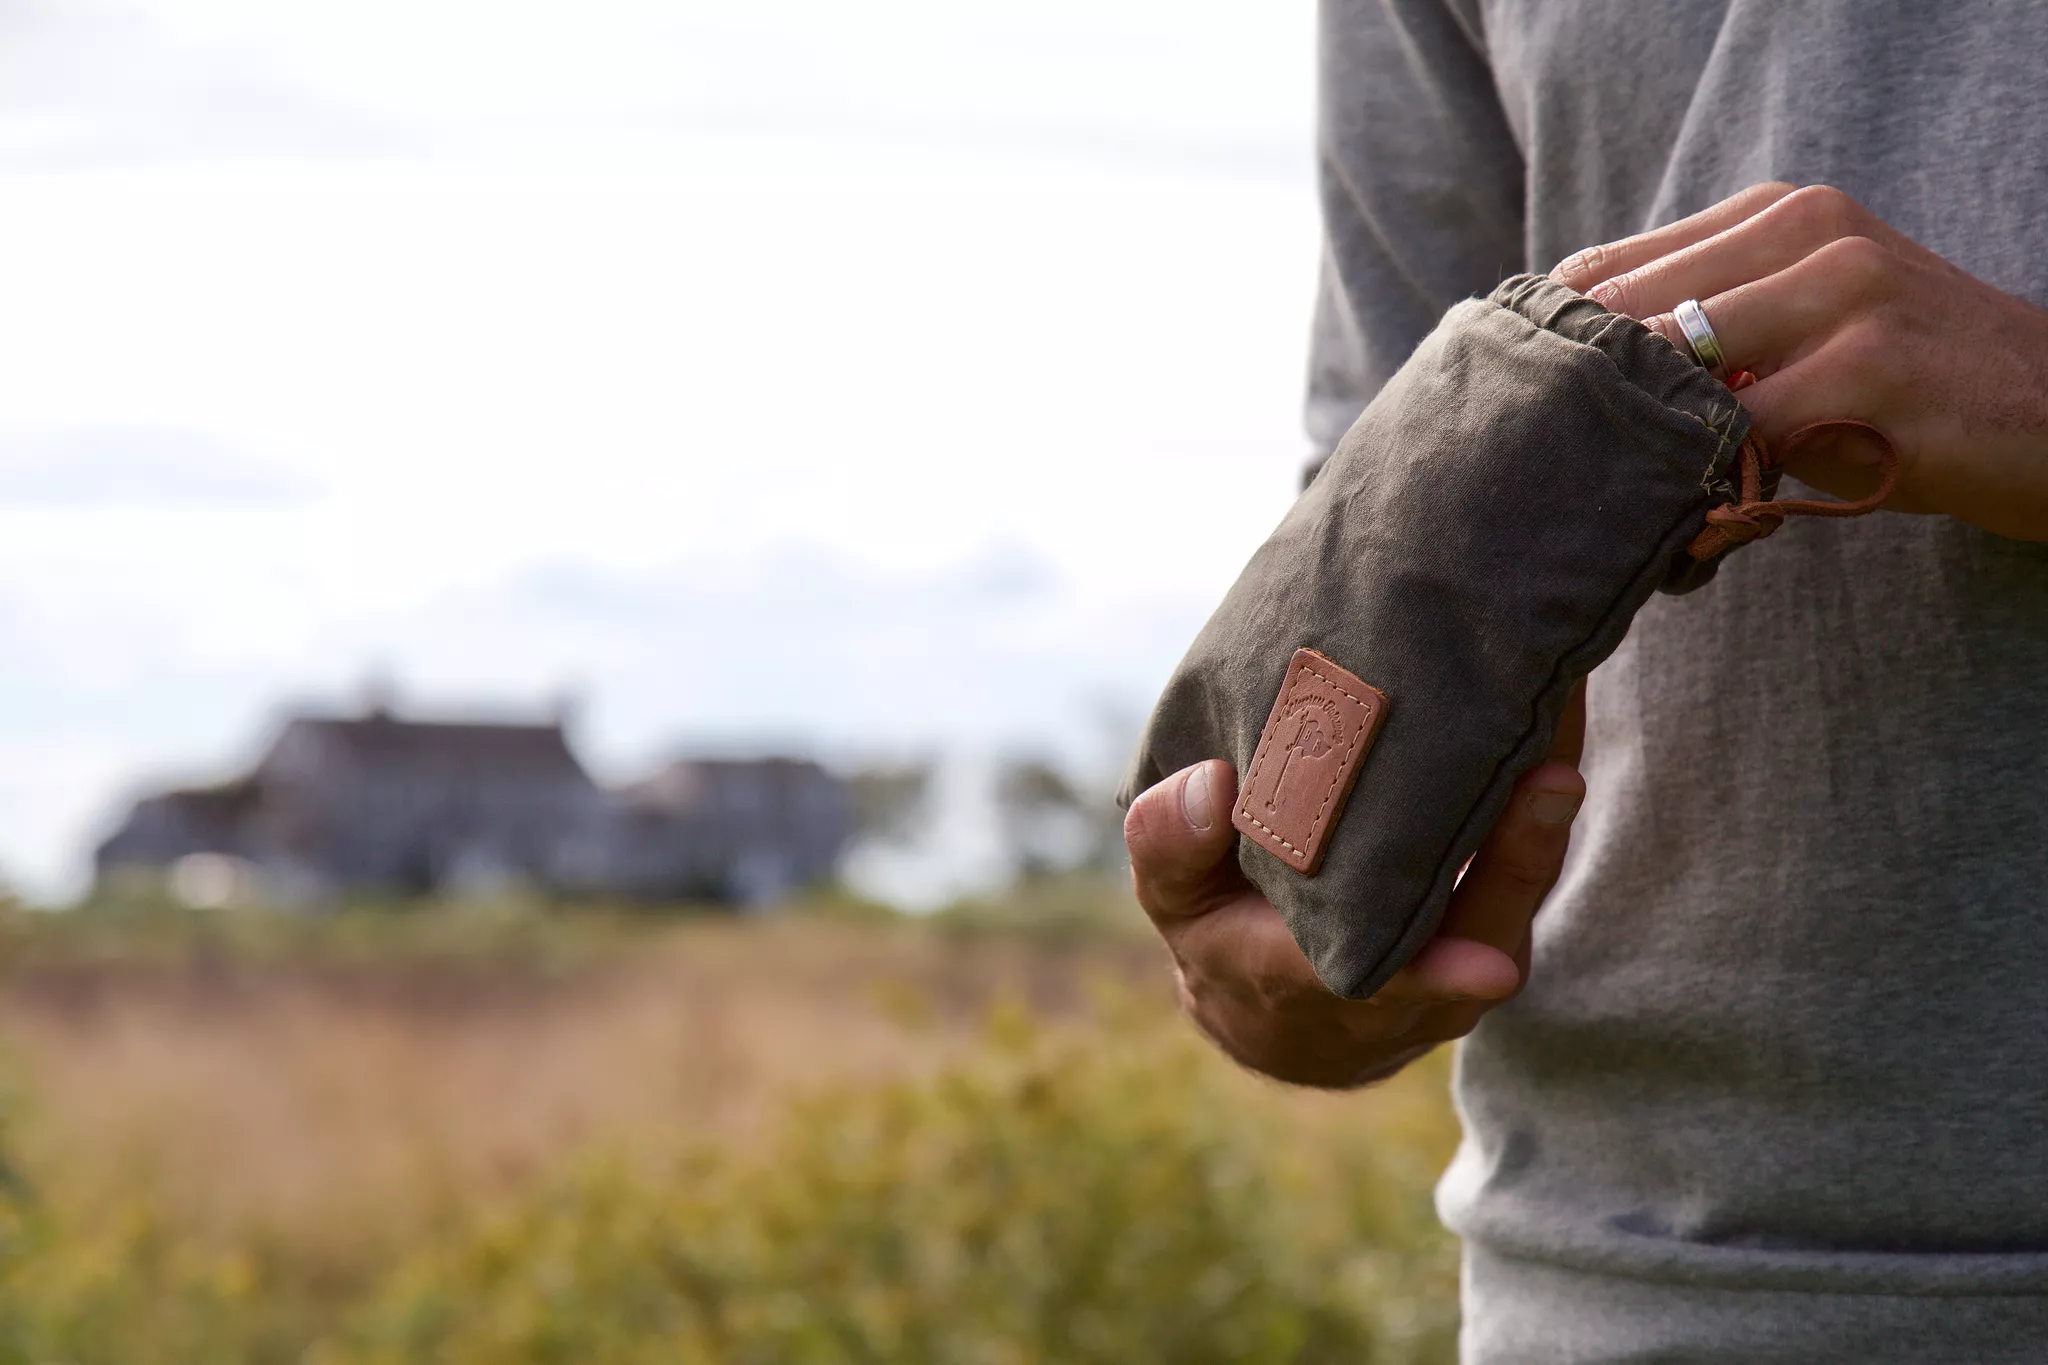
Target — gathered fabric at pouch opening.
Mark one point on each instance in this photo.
(1402, 647)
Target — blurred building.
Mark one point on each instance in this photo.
(752, 829)
(380, 804)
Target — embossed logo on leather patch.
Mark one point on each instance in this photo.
(1322, 725)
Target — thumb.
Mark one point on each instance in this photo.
(1179, 835)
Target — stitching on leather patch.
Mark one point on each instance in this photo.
(1322, 725)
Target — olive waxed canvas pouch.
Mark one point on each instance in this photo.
(1402, 648)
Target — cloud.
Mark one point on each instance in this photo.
(994, 649)
(1135, 82)
(102, 465)
(88, 86)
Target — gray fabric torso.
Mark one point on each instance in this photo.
(1781, 1065)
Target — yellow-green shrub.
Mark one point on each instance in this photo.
(136, 1290)
(1119, 1196)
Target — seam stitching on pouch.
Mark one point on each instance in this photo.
(1443, 860)
(1707, 484)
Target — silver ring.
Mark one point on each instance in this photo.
(1699, 334)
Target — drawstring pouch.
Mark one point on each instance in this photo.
(1403, 646)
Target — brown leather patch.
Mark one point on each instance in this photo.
(1309, 754)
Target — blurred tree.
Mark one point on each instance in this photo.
(1052, 823)
(891, 802)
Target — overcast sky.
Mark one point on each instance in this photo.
(860, 378)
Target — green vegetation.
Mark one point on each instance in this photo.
(974, 1180)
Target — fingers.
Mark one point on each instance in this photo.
(1519, 862)
(1836, 381)
(1229, 941)
(1450, 969)
(1595, 264)
(1180, 838)
(1247, 985)
(1569, 743)
(1470, 959)
(1781, 235)
(1771, 323)
(1244, 948)
(1180, 841)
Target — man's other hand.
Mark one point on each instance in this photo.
(1838, 314)
(1247, 985)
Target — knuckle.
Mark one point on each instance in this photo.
(1620, 294)
(1766, 196)
(1385, 1067)
(1449, 1025)
(1246, 1039)
(1150, 845)
(1824, 210)
(1581, 265)
(1214, 982)
(1288, 1041)
(1864, 349)
(1803, 211)
(1138, 835)
(1525, 869)
(1861, 266)
(1332, 1069)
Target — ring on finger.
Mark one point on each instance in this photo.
(1699, 335)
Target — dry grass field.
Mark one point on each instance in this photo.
(495, 1135)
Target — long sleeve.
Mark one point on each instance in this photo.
(1421, 185)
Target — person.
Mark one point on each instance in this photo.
(1765, 1079)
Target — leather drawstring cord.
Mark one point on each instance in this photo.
(1756, 516)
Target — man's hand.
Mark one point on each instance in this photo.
(1247, 985)
(1838, 315)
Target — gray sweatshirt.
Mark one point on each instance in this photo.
(1778, 1090)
